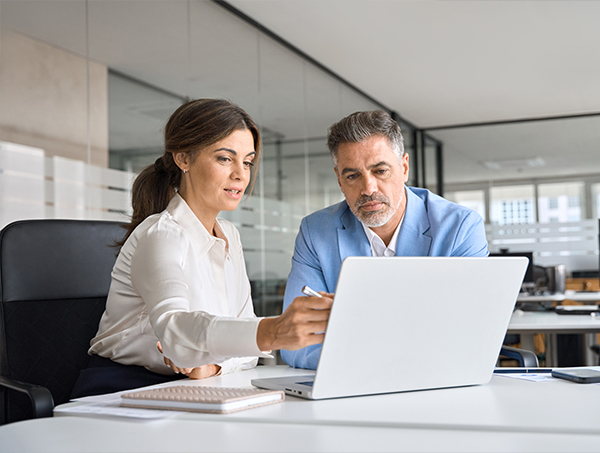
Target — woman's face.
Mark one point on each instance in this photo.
(216, 180)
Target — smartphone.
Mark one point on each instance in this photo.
(582, 375)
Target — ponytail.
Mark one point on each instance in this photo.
(152, 190)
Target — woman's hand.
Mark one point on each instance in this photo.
(302, 324)
(199, 372)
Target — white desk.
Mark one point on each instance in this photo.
(505, 415)
(549, 321)
(577, 296)
(528, 323)
(85, 435)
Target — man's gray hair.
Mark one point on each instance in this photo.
(360, 126)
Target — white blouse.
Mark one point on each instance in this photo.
(175, 282)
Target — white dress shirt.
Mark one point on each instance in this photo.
(175, 282)
(378, 247)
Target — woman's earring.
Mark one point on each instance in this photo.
(184, 171)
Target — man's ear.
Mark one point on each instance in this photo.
(405, 167)
(181, 160)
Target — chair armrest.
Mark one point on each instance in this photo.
(526, 358)
(42, 402)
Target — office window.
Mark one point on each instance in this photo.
(473, 199)
(573, 201)
(512, 205)
(560, 202)
(595, 189)
(516, 211)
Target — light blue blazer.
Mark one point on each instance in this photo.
(432, 226)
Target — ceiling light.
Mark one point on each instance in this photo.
(514, 163)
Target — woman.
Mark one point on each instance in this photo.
(179, 285)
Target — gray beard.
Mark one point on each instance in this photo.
(377, 218)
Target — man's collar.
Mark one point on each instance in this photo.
(381, 247)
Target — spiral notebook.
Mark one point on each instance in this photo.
(217, 400)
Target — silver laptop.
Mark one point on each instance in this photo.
(411, 323)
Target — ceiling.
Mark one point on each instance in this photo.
(453, 62)
(436, 63)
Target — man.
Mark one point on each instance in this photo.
(380, 216)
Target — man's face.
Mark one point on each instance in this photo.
(372, 180)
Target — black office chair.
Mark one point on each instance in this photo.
(596, 349)
(54, 280)
(525, 358)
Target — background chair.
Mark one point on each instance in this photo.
(510, 351)
(54, 280)
(525, 358)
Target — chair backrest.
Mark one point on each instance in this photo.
(54, 280)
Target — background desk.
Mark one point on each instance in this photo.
(577, 296)
(528, 323)
(559, 326)
(505, 415)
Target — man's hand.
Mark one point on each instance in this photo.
(200, 372)
(302, 324)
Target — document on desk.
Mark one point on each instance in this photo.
(530, 377)
(526, 374)
(110, 404)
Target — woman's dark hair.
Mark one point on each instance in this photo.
(192, 127)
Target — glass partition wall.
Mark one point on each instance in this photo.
(86, 87)
(94, 82)
(535, 182)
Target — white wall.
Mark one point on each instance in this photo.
(44, 99)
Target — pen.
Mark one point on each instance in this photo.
(522, 370)
(310, 292)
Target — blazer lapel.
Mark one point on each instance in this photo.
(414, 239)
(352, 240)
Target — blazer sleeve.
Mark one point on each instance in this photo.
(470, 239)
(306, 270)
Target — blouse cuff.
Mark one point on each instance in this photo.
(234, 337)
(236, 364)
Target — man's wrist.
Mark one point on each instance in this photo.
(264, 335)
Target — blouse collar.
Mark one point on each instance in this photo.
(199, 235)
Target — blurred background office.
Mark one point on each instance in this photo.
(499, 103)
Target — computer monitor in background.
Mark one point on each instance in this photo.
(529, 275)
